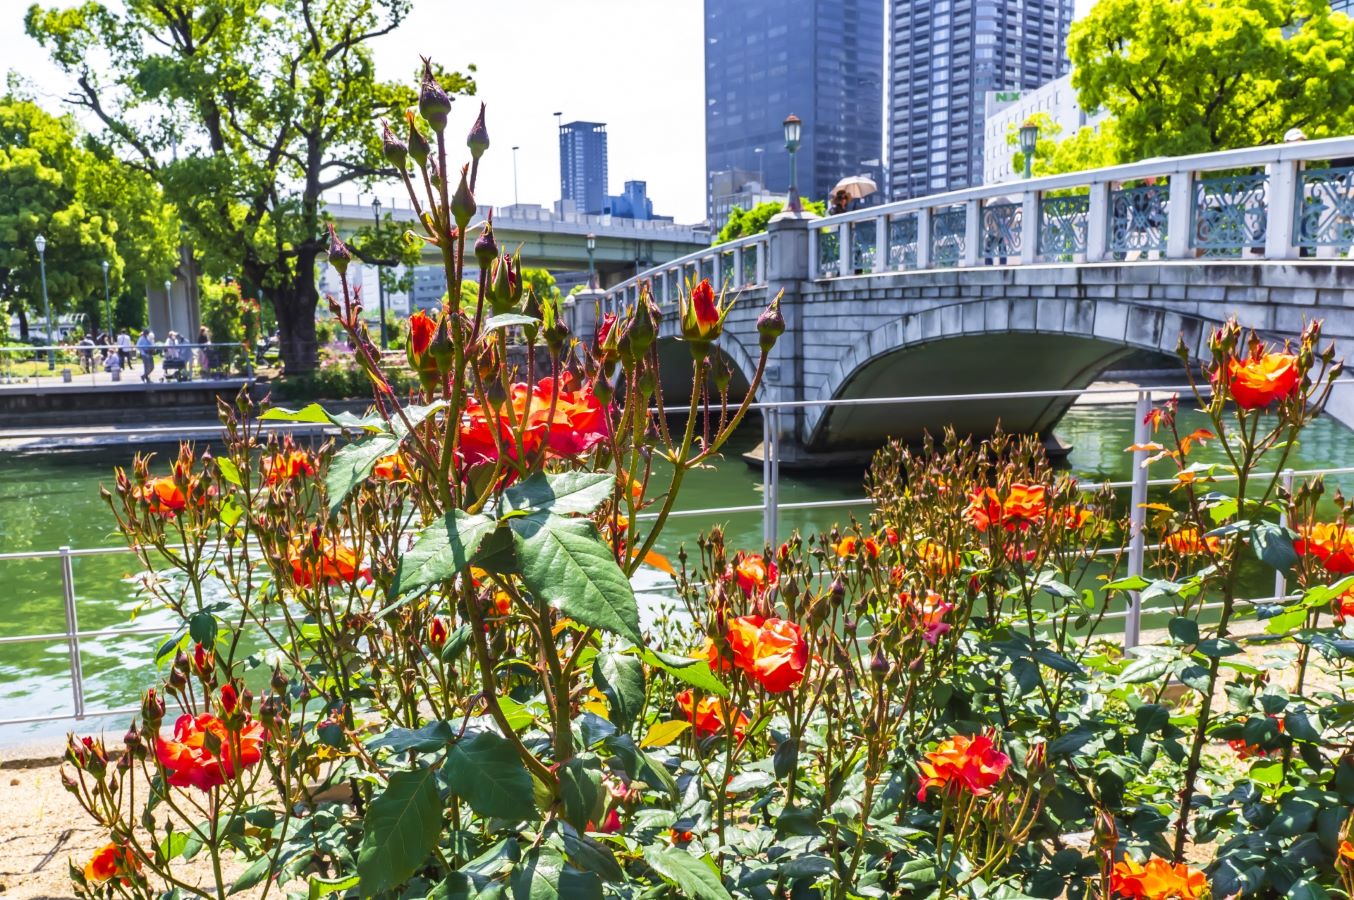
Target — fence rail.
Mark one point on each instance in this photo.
(770, 509)
(1274, 202)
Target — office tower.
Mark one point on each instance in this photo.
(582, 167)
(945, 56)
(821, 60)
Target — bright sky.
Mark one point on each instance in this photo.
(634, 64)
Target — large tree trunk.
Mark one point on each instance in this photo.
(296, 330)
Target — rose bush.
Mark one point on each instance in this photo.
(410, 662)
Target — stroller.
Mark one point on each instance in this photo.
(177, 359)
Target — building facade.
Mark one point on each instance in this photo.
(1004, 110)
(583, 167)
(945, 56)
(821, 60)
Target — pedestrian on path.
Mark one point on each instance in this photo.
(145, 345)
(124, 348)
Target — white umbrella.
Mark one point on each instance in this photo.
(856, 187)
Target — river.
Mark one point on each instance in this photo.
(52, 499)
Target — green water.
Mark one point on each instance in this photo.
(52, 499)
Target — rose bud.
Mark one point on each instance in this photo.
(433, 102)
(478, 139)
(339, 254)
(602, 389)
(500, 290)
(770, 325)
(395, 150)
(486, 249)
(463, 202)
(152, 709)
(419, 148)
(437, 633)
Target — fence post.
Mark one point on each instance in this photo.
(1283, 200)
(1097, 222)
(72, 631)
(924, 238)
(844, 254)
(813, 253)
(1280, 581)
(738, 280)
(763, 247)
(1029, 227)
(717, 270)
(1137, 517)
(770, 475)
(973, 233)
(881, 245)
(1180, 215)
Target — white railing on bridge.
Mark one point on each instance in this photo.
(1276, 202)
(770, 509)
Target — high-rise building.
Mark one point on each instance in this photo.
(945, 56)
(582, 167)
(821, 60)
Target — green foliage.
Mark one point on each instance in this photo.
(1088, 148)
(259, 98)
(401, 828)
(542, 282)
(90, 208)
(743, 222)
(223, 311)
(1189, 76)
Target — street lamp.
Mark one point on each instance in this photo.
(592, 245)
(792, 130)
(761, 166)
(1029, 142)
(380, 285)
(169, 304)
(41, 243)
(107, 305)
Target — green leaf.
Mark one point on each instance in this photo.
(694, 671)
(415, 415)
(352, 464)
(543, 875)
(692, 877)
(639, 765)
(1131, 583)
(1056, 661)
(442, 550)
(429, 739)
(565, 563)
(400, 829)
(202, 629)
(1186, 631)
(253, 875)
(229, 471)
(1219, 647)
(313, 413)
(591, 856)
(620, 678)
(323, 887)
(506, 320)
(1273, 545)
(660, 734)
(1144, 670)
(563, 494)
(487, 772)
(581, 793)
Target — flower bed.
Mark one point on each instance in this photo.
(457, 696)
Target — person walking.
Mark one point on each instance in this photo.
(204, 337)
(124, 343)
(145, 345)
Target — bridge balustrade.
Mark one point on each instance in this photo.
(1276, 202)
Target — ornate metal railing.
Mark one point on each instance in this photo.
(1276, 202)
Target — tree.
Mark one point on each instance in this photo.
(244, 110)
(542, 282)
(1088, 148)
(742, 223)
(1189, 76)
(88, 208)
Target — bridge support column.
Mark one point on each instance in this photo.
(737, 267)
(1098, 222)
(973, 233)
(881, 245)
(1283, 195)
(924, 238)
(1179, 217)
(789, 270)
(1029, 228)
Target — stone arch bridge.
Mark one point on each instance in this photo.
(1038, 285)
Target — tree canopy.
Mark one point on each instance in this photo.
(1189, 76)
(247, 112)
(89, 207)
(1088, 148)
(743, 222)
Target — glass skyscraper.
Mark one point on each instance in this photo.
(582, 166)
(945, 56)
(821, 60)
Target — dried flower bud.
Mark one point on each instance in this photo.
(478, 139)
(395, 150)
(433, 103)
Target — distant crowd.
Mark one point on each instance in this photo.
(180, 358)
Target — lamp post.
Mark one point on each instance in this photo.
(380, 285)
(592, 271)
(169, 304)
(514, 174)
(41, 243)
(1029, 142)
(792, 130)
(761, 166)
(107, 304)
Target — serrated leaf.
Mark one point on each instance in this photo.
(639, 765)
(1186, 631)
(429, 739)
(323, 887)
(1144, 670)
(352, 464)
(487, 772)
(400, 829)
(566, 564)
(506, 320)
(581, 792)
(543, 875)
(1130, 583)
(442, 550)
(692, 670)
(1218, 647)
(229, 471)
(312, 413)
(1056, 661)
(1273, 545)
(692, 877)
(660, 734)
(592, 856)
(620, 678)
(563, 494)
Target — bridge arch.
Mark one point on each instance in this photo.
(674, 364)
(987, 345)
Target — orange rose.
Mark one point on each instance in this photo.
(191, 760)
(1330, 542)
(1343, 607)
(112, 860)
(930, 614)
(1346, 854)
(1257, 381)
(962, 763)
(753, 573)
(164, 496)
(740, 642)
(771, 651)
(579, 423)
(1157, 880)
(1244, 750)
(848, 545)
(707, 716)
(437, 633)
(934, 558)
(288, 465)
(1025, 505)
(337, 563)
(421, 331)
(390, 468)
(1188, 542)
